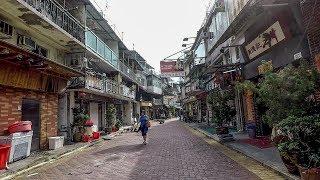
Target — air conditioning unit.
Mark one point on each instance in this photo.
(208, 35)
(26, 42)
(6, 30)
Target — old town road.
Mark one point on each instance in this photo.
(174, 151)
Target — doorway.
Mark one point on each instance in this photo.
(31, 112)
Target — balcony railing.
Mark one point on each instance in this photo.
(104, 85)
(111, 87)
(157, 101)
(100, 48)
(127, 92)
(127, 71)
(57, 14)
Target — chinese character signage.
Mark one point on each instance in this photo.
(172, 69)
(271, 37)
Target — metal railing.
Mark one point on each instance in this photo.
(111, 87)
(127, 92)
(57, 14)
(100, 48)
(127, 71)
(103, 85)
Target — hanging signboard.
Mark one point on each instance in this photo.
(172, 69)
(269, 38)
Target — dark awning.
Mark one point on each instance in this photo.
(18, 55)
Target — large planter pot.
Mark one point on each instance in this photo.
(291, 167)
(114, 129)
(309, 174)
(251, 129)
(222, 130)
(77, 137)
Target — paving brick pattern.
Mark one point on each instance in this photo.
(173, 152)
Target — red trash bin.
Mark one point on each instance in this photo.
(4, 155)
(22, 126)
(96, 135)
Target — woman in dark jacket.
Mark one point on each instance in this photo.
(144, 126)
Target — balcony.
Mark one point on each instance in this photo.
(195, 88)
(48, 18)
(157, 102)
(97, 46)
(154, 89)
(127, 92)
(111, 87)
(127, 71)
(103, 85)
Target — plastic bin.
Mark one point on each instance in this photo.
(22, 126)
(251, 129)
(4, 155)
(96, 135)
(20, 143)
(56, 142)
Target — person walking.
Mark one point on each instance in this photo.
(144, 126)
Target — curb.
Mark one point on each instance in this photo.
(284, 174)
(45, 160)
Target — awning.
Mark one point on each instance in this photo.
(18, 55)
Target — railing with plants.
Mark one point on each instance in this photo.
(57, 14)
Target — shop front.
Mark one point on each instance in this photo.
(29, 88)
(274, 41)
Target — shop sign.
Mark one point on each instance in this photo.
(172, 68)
(265, 67)
(269, 38)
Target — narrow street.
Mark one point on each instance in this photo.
(174, 151)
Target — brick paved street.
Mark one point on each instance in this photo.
(173, 152)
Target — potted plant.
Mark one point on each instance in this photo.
(78, 124)
(118, 124)
(303, 144)
(288, 92)
(222, 111)
(110, 117)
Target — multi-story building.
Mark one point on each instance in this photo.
(58, 56)
(151, 91)
(241, 35)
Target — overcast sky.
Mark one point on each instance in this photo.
(155, 27)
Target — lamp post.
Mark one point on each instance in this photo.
(187, 38)
(185, 45)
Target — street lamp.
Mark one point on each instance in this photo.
(185, 45)
(187, 38)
